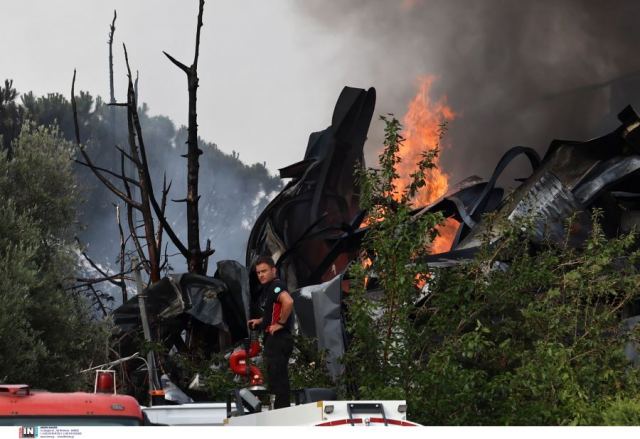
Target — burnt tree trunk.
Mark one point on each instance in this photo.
(197, 260)
(112, 95)
(111, 88)
(145, 208)
(193, 168)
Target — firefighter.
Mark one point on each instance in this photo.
(275, 305)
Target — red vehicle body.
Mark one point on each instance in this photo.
(19, 405)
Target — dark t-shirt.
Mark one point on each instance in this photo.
(270, 307)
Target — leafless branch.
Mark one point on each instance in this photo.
(177, 63)
(198, 27)
(166, 257)
(110, 42)
(107, 171)
(99, 270)
(163, 207)
(123, 285)
(131, 159)
(95, 294)
(83, 281)
(86, 157)
(208, 253)
(132, 234)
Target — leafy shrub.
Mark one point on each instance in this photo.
(517, 336)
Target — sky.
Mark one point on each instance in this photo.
(515, 73)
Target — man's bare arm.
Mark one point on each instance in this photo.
(286, 302)
(287, 306)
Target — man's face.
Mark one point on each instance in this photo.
(265, 273)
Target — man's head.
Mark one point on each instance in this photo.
(265, 269)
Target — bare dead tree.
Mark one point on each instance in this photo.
(110, 42)
(147, 203)
(152, 258)
(112, 96)
(137, 192)
(135, 129)
(136, 144)
(197, 258)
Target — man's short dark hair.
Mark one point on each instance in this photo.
(265, 260)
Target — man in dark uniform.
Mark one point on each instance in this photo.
(276, 306)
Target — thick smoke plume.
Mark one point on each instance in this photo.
(516, 73)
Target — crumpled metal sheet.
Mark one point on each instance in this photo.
(304, 226)
(566, 184)
(201, 297)
(548, 204)
(236, 299)
(184, 293)
(220, 302)
(163, 301)
(606, 174)
(319, 315)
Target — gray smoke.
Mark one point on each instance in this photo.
(517, 73)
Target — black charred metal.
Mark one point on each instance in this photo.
(307, 226)
(190, 309)
(572, 179)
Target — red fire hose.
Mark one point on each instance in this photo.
(238, 363)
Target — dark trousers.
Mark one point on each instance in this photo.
(277, 350)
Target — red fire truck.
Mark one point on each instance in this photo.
(19, 405)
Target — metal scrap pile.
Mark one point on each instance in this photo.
(312, 228)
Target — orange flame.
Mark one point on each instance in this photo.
(447, 231)
(422, 128)
(421, 132)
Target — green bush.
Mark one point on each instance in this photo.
(622, 412)
(517, 336)
(47, 333)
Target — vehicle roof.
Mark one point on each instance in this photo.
(15, 401)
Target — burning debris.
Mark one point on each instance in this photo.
(314, 227)
(571, 180)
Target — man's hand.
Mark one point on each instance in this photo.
(253, 323)
(274, 328)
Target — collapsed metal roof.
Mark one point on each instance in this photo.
(312, 228)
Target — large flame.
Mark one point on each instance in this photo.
(422, 131)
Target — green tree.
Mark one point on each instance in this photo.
(47, 334)
(380, 361)
(10, 114)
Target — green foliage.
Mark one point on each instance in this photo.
(215, 377)
(517, 336)
(622, 412)
(46, 333)
(381, 331)
(10, 114)
(309, 365)
(537, 343)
